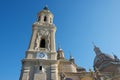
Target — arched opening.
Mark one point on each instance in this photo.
(40, 68)
(45, 18)
(42, 43)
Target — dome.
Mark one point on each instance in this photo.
(102, 57)
(109, 56)
(99, 59)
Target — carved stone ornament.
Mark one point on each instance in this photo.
(44, 32)
(62, 75)
(46, 35)
(37, 42)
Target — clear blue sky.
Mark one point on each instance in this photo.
(78, 22)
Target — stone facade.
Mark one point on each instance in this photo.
(43, 62)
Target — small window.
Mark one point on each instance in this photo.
(45, 18)
(42, 43)
(40, 68)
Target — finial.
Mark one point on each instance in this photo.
(59, 47)
(93, 44)
(46, 7)
(71, 56)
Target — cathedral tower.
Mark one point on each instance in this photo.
(40, 62)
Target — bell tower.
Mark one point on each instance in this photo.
(43, 37)
(40, 62)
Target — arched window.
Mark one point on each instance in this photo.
(45, 18)
(42, 43)
(40, 68)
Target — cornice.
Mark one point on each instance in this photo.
(38, 61)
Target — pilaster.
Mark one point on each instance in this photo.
(54, 72)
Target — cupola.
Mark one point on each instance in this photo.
(60, 54)
(45, 16)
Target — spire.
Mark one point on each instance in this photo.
(71, 57)
(93, 44)
(97, 49)
(59, 47)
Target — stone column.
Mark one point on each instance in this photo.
(32, 42)
(53, 46)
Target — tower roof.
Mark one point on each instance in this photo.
(45, 11)
(46, 8)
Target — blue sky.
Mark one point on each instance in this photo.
(78, 22)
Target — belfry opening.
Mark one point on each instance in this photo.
(45, 18)
(42, 43)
